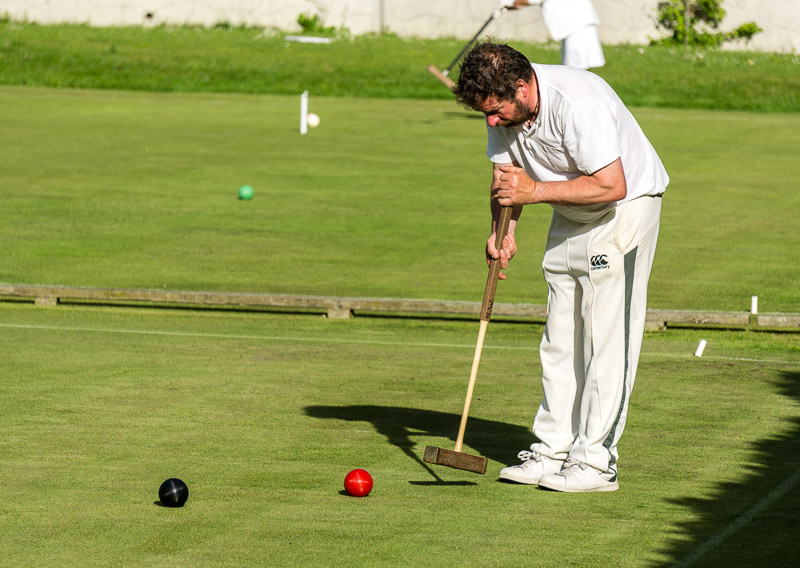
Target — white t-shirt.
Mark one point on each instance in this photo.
(582, 127)
(565, 17)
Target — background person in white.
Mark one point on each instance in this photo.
(574, 24)
(562, 136)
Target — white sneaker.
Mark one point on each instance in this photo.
(578, 477)
(535, 467)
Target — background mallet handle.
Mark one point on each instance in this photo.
(444, 79)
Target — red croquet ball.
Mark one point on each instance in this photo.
(358, 483)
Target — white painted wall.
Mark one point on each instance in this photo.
(621, 21)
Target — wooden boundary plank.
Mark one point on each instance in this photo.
(344, 307)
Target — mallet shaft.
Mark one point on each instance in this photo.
(473, 375)
(486, 314)
(503, 223)
(492, 18)
(446, 81)
(455, 458)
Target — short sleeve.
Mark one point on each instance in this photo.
(591, 134)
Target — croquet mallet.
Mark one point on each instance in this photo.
(456, 458)
(443, 75)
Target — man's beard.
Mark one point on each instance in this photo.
(522, 114)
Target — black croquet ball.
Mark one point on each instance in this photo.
(173, 493)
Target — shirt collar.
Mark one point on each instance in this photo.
(540, 93)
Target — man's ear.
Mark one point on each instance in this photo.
(522, 88)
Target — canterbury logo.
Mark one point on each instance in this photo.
(599, 262)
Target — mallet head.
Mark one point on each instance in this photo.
(457, 460)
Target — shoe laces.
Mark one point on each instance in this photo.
(573, 463)
(525, 455)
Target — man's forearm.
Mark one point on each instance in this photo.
(583, 190)
(513, 186)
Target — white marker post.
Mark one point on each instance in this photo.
(700, 348)
(753, 310)
(304, 112)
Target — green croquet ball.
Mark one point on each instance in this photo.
(246, 192)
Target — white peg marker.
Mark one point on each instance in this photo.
(700, 348)
(304, 112)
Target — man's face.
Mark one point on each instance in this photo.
(505, 113)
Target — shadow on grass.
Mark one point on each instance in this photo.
(753, 522)
(493, 440)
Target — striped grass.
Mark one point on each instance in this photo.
(387, 199)
(263, 415)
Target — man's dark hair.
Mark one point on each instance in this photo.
(491, 69)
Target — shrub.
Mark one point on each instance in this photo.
(705, 17)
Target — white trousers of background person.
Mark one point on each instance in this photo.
(597, 276)
(582, 49)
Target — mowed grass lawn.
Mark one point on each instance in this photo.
(387, 198)
(263, 415)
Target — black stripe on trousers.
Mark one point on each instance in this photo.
(630, 265)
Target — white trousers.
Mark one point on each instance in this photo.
(597, 276)
(583, 49)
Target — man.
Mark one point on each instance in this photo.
(574, 24)
(562, 136)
